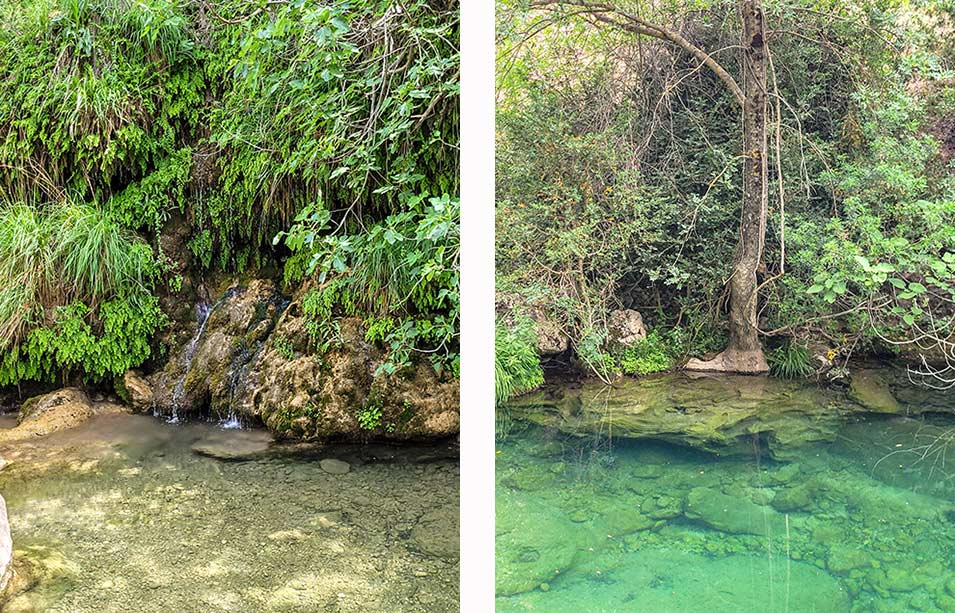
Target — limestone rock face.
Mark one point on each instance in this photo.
(251, 358)
(870, 389)
(625, 328)
(6, 549)
(720, 414)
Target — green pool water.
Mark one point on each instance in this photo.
(122, 515)
(861, 521)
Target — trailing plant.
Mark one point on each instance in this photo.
(75, 294)
(517, 368)
(403, 271)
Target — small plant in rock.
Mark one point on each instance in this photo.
(369, 417)
(284, 346)
(790, 361)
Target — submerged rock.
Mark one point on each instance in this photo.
(671, 580)
(335, 467)
(437, 533)
(535, 543)
(232, 445)
(732, 514)
(252, 357)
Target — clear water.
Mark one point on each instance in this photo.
(865, 522)
(122, 515)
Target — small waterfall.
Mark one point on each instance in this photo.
(203, 311)
(240, 367)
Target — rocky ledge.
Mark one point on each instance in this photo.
(722, 414)
(251, 360)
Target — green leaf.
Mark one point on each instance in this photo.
(815, 289)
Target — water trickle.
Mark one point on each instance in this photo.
(203, 311)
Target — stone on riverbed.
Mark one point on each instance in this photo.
(233, 446)
(732, 514)
(535, 543)
(437, 533)
(335, 467)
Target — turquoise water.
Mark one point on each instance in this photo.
(862, 519)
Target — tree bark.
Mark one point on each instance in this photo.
(743, 352)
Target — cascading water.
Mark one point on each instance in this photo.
(240, 367)
(203, 311)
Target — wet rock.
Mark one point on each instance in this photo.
(732, 515)
(335, 467)
(625, 328)
(252, 356)
(870, 389)
(535, 543)
(137, 391)
(53, 412)
(720, 414)
(234, 445)
(6, 549)
(437, 533)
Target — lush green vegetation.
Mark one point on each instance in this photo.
(619, 183)
(318, 136)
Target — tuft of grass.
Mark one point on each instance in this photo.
(790, 361)
(517, 366)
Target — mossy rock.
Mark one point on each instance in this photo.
(535, 543)
(870, 389)
(731, 514)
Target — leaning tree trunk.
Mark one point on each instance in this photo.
(744, 353)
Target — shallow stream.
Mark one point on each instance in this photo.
(862, 522)
(121, 514)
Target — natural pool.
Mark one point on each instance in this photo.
(120, 514)
(831, 510)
